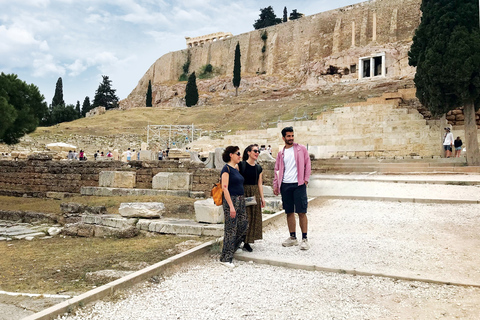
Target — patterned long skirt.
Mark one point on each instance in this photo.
(254, 214)
(234, 229)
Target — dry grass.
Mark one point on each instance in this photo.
(240, 113)
(59, 264)
(175, 207)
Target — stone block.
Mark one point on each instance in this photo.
(172, 181)
(141, 209)
(268, 191)
(146, 155)
(207, 211)
(117, 179)
(219, 163)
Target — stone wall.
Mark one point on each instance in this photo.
(36, 177)
(300, 51)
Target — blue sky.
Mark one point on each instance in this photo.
(41, 40)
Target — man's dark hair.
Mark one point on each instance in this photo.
(285, 130)
(227, 151)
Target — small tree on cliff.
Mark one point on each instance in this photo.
(295, 15)
(237, 68)
(285, 16)
(191, 91)
(149, 94)
(446, 52)
(267, 18)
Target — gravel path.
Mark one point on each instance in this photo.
(418, 240)
(320, 187)
(435, 241)
(207, 290)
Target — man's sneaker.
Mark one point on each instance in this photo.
(227, 264)
(304, 245)
(290, 242)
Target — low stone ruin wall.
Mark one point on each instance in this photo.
(35, 177)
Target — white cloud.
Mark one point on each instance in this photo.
(76, 68)
(45, 65)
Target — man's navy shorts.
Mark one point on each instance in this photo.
(294, 197)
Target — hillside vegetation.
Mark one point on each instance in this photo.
(249, 111)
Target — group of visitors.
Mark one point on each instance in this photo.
(100, 155)
(449, 144)
(74, 155)
(242, 178)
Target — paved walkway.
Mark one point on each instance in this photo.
(385, 241)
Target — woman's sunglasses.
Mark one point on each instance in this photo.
(256, 151)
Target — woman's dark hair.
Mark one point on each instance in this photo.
(247, 150)
(285, 130)
(227, 151)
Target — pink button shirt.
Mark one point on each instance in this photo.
(302, 159)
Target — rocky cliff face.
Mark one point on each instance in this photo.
(299, 52)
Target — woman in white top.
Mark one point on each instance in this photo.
(448, 142)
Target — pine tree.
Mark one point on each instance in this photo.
(58, 97)
(267, 18)
(86, 106)
(149, 94)
(295, 15)
(105, 96)
(446, 52)
(237, 68)
(285, 18)
(191, 91)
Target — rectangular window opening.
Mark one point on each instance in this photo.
(377, 70)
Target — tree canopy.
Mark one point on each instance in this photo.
(22, 106)
(446, 52)
(105, 95)
(191, 91)
(267, 18)
(295, 15)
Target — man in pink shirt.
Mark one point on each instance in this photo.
(292, 171)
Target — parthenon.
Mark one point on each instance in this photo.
(199, 41)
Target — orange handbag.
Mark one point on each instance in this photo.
(217, 194)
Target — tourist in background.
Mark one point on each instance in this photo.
(292, 171)
(448, 142)
(236, 222)
(81, 155)
(129, 155)
(458, 147)
(253, 187)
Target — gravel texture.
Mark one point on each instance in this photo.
(208, 290)
(436, 241)
(321, 187)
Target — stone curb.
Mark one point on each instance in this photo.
(413, 200)
(311, 267)
(125, 282)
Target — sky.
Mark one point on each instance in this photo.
(42, 40)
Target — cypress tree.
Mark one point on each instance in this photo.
(191, 91)
(86, 106)
(77, 109)
(446, 52)
(285, 18)
(237, 68)
(58, 96)
(149, 94)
